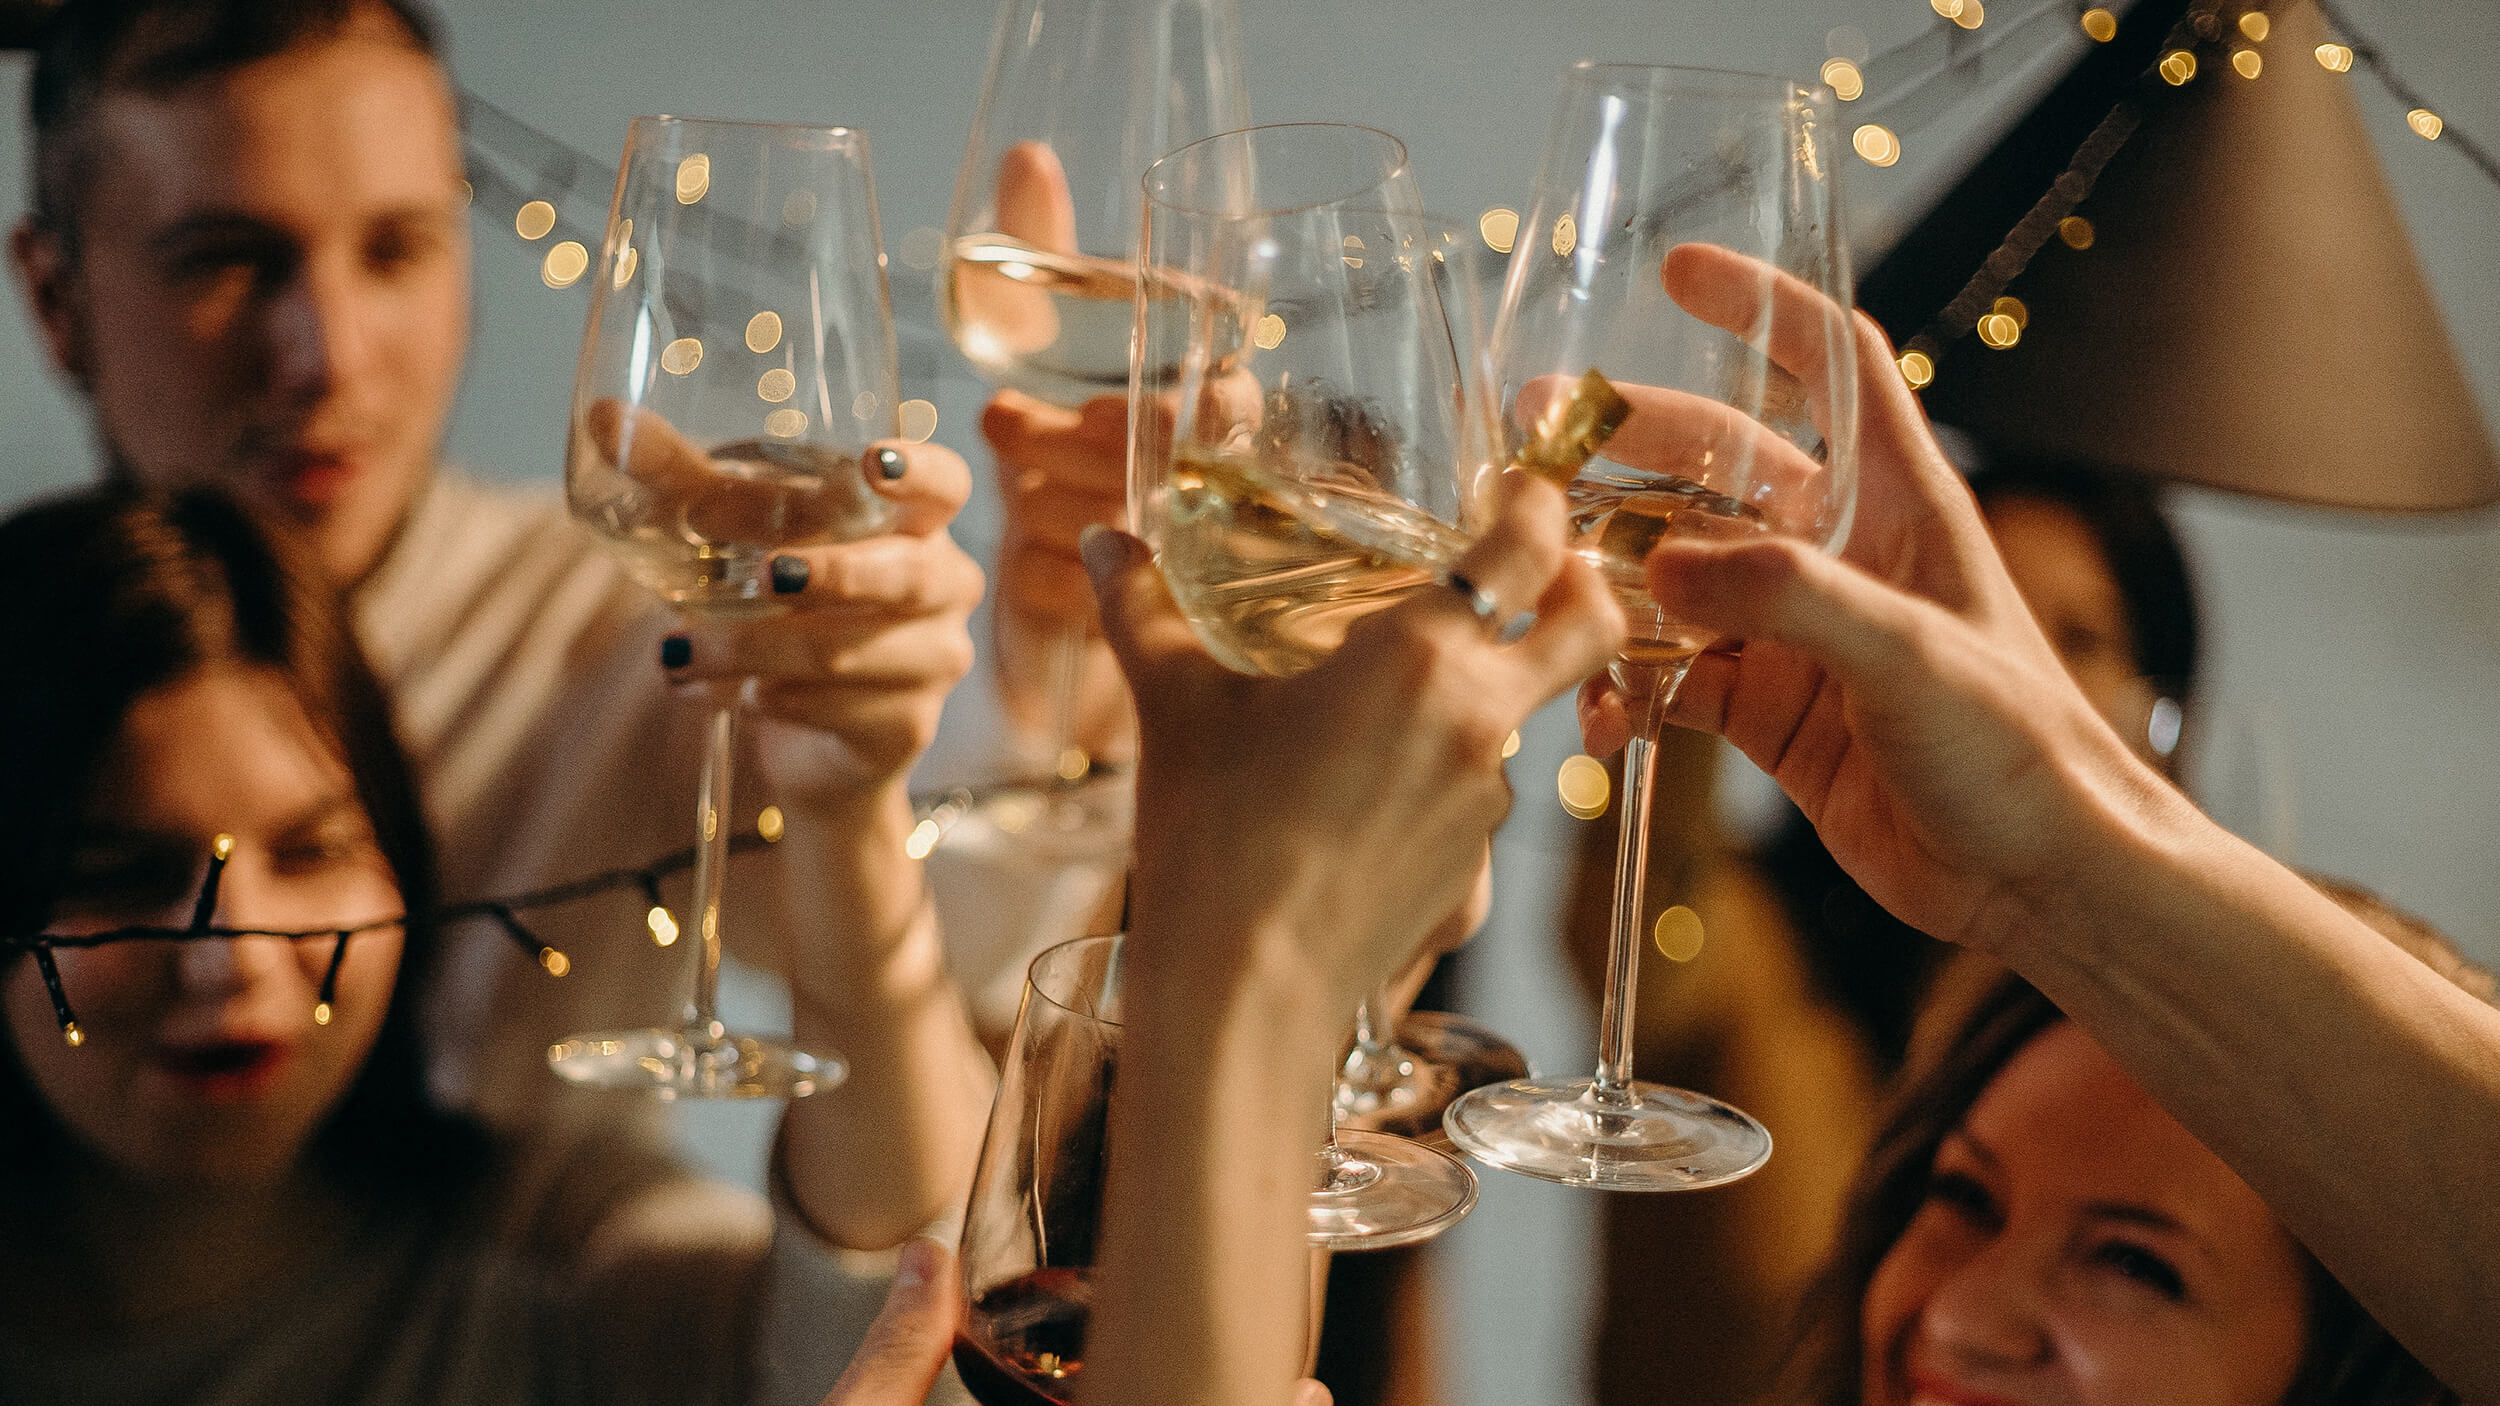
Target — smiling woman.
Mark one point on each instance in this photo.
(2032, 1228)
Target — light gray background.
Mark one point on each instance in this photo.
(2354, 667)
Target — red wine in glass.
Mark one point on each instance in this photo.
(1023, 1343)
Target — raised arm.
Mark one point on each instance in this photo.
(853, 676)
(1904, 699)
(1298, 839)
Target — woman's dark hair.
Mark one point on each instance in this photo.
(115, 592)
(2123, 512)
(2349, 1359)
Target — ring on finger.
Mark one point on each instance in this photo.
(1487, 608)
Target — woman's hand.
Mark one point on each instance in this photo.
(874, 636)
(1344, 811)
(1901, 695)
(1059, 472)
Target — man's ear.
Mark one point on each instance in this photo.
(49, 277)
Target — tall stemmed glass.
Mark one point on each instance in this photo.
(1082, 96)
(1321, 452)
(1722, 440)
(738, 362)
(1028, 1244)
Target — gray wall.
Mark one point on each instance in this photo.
(2355, 670)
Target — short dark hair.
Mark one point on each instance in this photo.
(120, 592)
(90, 48)
(2348, 1359)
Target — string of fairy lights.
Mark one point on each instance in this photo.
(504, 912)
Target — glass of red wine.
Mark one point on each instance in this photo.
(1029, 1234)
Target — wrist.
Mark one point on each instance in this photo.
(2126, 845)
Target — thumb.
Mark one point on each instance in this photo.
(1308, 1392)
(1144, 626)
(1782, 590)
(899, 1360)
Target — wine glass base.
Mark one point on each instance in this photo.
(1656, 1139)
(1048, 822)
(1439, 1055)
(1413, 1194)
(681, 1064)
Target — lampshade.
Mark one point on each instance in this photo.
(2249, 314)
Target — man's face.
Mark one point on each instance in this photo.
(271, 283)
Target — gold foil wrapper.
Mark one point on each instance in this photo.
(1573, 429)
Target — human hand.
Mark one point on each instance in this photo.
(1345, 810)
(873, 635)
(1901, 695)
(1059, 472)
(906, 1346)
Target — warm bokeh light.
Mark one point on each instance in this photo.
(1510, 745)
(222, 846)
(1500, 228)
(1678, 934)
(681, 356)
(2248, 62)
(786, 423)
(72, 1035)
(764, 331)
(2099, 25)
(2177, 67)
(1566, 236)
(321, 1012)
(2335, 58)
(769, 823)
(2425, 123)
(1583, 786)
(923, 838)
(2256, 26)
(556, 963)
(1972, 16)
(1877, 144)
(2076, 231)
(2000, 330)
(1847, 83)
(864, 406)
(663, 925)
(1074, 762)
(2013, 307)
(535, 219)
(1917, 368)
(776, 385)
(468, 193)
(1950, 9)
(694, 178)
(1269, 332)
(1353, 244)
(564, 265)
(918, 419)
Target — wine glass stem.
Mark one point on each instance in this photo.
(711, 866)
(1371, 1067)
(1066, 683)
(1341, 1171)
(1613, 1084)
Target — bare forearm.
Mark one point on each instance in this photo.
(892, 1148)
(2351, 1086)
(1204, 1274)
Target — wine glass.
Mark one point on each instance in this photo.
(1642, 160)
(1029, 1232)
(1322, 450)
(1040, 250)
(738, 362)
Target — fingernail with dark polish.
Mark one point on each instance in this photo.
(890, 462)
(676, 652)
(789, 575)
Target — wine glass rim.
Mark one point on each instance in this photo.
(1580, 68)
(675, 119)
(1147, 187)
(1033, 983)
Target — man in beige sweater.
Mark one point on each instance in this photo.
(248, 252)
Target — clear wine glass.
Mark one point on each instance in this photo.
(1322, 450)
(1722, 440)
(1041, 247)
(738, 362)
(1029, 1233)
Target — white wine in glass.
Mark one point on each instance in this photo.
(738, 362)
